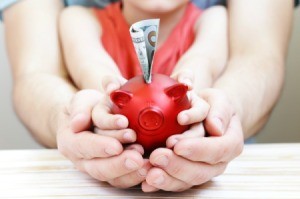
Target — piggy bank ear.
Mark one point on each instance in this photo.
(177, 91)
(120, 98)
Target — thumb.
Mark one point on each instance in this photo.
(81, 109)
(220, 113)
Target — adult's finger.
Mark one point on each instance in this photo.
(148, 188)
(86, 145)
(80, 109)
(125, 136)
(220, 113)
(213, 150)
(159, 179)
(192, 173)
(133, 178)
(106, 169)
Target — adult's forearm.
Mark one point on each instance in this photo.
(41, 87)
(259, 36)
(253, 84)
(41, 101)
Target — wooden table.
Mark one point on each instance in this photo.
(262, 171)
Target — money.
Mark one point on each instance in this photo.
(144, 36)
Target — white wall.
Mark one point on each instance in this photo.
(284, 125)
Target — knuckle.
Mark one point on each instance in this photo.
(199, 178)
(181, 189)
(81, 149)
(63, 146)
(100, 175)
(222, 168)
(239, 148)
(62, 149)
(220, 154)
(176, 169)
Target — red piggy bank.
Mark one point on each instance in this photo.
(152, 108)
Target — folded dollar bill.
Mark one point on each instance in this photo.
(144, 36)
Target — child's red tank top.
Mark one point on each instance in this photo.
(117, 41)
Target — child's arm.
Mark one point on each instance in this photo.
(86, 59)
(207, 57)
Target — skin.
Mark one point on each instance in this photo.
(97, 67)
(229, 102)
(248, 61)
(38, 69)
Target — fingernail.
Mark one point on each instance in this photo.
(184, 118)
(159, 180)
(172, 142)
(187, 81)
(142, 172)
(128, 136)
(219, 124)
(130, 164)
(111, 87)
(162, 160)
(121, 123)
(110, 151)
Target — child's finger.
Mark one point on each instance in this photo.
(111, 83)
(185, 77)
(106, 169)
(195, 131)
(86, 145)
(103, 119)
(220, 113)
(81, 107)
(125, 136)
(197, 113)
(136, 147)
(133, 178)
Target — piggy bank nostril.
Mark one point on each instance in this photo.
(151, 119)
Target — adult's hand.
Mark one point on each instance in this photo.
(195, 160)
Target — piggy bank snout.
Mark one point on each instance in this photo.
(151, 119)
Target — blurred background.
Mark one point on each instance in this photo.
(283, 126)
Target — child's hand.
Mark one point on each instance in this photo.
(194, 117)
(196, 160)
(101, 156)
